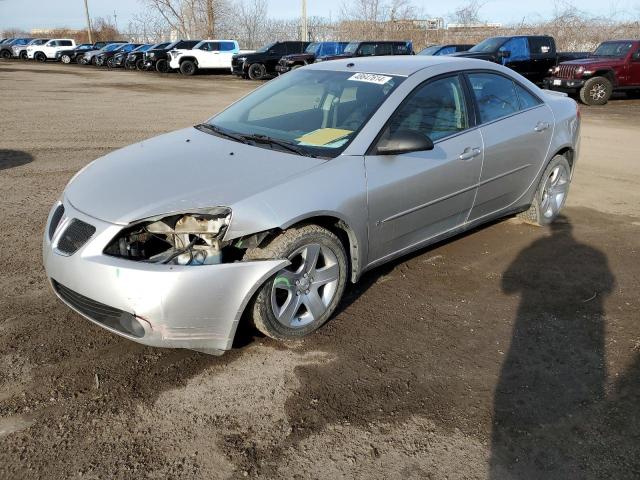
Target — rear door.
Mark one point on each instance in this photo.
(543, 57)
(518, 56)
(516, 129)
(226, 52)
(634, 67)
(416, 196)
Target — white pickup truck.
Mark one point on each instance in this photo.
(213, 54)
(47, 51)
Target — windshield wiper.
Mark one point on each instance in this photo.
(207, 127)
(259, 138)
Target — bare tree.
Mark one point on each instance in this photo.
(251, 18)
(468, 14)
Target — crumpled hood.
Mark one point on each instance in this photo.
(178, 171)
(596, 61)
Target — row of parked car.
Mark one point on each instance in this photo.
(593, 76)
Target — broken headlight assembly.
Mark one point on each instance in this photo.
(190, 238)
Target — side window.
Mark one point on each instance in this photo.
(227, 46)
(527, 99)
(541, 45)
(446, 51)
(518, 49)
(52, 43)
(214, 46)
(65, 43)
(496, 96)
(367, 49)
(436, 109)
(400, 48)
(384, 49)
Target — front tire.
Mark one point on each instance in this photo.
(596, 91)
(111, 62)
(257, 71)
(188, 67)
(23, 55)
(140, 64)
(300, 298)
(65, 59)
(40, 57)
(551, 194)
(162, 66)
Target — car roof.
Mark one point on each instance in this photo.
(401, 65)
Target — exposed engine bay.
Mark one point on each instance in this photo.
(181, 239)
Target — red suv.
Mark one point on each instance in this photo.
(614, 66)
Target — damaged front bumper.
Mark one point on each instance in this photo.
(176, 306)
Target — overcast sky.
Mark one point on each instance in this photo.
(29, 14)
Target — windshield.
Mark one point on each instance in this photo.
(312, 48)
(351, 47)
(489, 45)
(142, 48)
(613, 49)
(159, 46)
(111, 47)
(430, 50)
(317, 111)
(265, 48)
(170, 46)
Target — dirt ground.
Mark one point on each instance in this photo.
(512, 352)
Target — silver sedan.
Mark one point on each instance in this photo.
(268, 209)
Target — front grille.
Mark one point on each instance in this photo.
(75, 236)
(109, 316)
(55, 220)
(566, 71)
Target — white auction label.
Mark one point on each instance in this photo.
(370, 78)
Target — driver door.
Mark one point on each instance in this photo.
(416, 196)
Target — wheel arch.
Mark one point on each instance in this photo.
(191, 58)
(339, 227)
(607, 73)
(568, 152)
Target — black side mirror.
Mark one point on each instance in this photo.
(504, 54)
(404, 141)
(636, 56)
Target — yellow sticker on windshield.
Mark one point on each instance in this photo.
(323, 136)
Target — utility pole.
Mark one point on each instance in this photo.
(304, 29)
(86, 12)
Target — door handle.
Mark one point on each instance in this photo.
(542, 126)
(469, 153)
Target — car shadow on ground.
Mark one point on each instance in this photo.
(14, 158)
(553, 416)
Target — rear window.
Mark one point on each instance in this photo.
(541, 45)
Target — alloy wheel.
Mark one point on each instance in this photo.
(302, 292)
(598, 92)
(555, 191)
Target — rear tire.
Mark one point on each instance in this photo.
(257, 71)
(162, 66)
(188, 67)
(6, 54)
(40, 57)
(596, 91)
(300, 298)
(551, 194)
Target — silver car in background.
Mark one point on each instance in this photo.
(269, 208)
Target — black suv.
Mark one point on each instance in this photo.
(530, 55)
(158, 58)
(262, 63)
